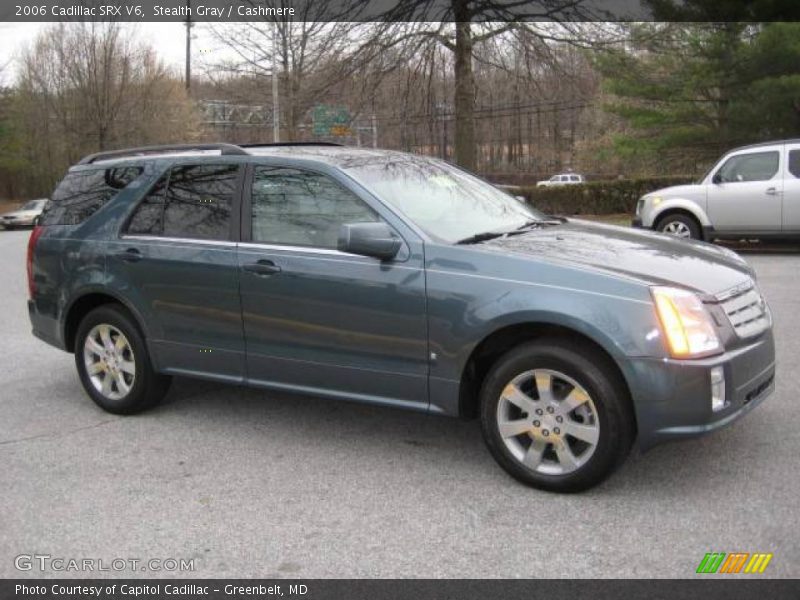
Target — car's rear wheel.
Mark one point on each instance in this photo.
(679, 225)
(555, 416)
(113, 363)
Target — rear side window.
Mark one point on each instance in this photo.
(191, 201)
(82, 193)
(794, 163)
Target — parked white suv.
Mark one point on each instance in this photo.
(562, 179)
(753, 192)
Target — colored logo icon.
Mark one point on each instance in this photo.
(735, 562)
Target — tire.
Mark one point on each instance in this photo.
(124, 381)
(680, 225)
(530, 446)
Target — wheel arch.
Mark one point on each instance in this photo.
(87, 301)
(680, 206)
(501, 340)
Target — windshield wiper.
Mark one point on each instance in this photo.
(482, 237)
(491, 235)
(534, 225)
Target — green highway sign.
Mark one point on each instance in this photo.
(331, 120)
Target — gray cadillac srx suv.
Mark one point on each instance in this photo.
(398, 280)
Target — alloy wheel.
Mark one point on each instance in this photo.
(548, 422)
(678, 229)
(109, 360)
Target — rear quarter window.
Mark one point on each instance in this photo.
(82, 193)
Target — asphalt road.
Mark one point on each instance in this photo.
(252, 484)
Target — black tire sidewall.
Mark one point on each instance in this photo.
(609, 399)
(694, 228)
(140, 396)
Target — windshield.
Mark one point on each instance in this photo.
(444, 201)
(33, 205)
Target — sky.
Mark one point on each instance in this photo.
(169, 40)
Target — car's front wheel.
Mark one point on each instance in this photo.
(113, 363)
(680, 225)
(556, 416)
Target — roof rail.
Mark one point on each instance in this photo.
(760, 144)
(278, 144)
(144, 150)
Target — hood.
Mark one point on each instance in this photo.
(652, 258)
(677, 190)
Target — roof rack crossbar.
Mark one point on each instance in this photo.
(278, 144)
(229, 149)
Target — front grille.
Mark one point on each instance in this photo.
(746, 310)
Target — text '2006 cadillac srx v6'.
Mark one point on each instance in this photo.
(400, 280)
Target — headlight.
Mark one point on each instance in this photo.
(653, 200)
(685, 322)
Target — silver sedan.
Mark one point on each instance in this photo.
(26, 216)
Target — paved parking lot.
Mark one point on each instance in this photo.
(248, 483)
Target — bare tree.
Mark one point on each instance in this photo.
(461, 25)
(92, 86)
(312, 54)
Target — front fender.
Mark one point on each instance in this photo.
(464, 310)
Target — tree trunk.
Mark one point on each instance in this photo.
(465, 150)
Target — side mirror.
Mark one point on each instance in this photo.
(717, 178)
(369, 239)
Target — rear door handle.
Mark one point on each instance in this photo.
(772, 191)
(130, 255)
(262, 267)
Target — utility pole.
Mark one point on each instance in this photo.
(189, 25)
(374, 131)
(276, 113)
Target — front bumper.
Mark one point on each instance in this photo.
(673, 397)
(637, 222)
(17, 222)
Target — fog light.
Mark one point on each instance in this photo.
(717, 389)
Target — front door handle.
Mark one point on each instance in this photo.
(772, 191)
(263, 267)
(130, 255)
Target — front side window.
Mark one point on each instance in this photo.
(189, 201)
(302, 208)
(794, 163)
(82, 193)
(758, 166)
(443, 200)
